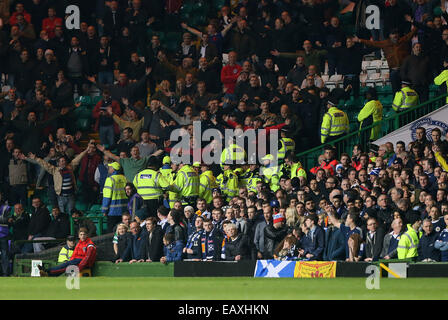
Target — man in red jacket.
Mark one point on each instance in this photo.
(49, 24)
(229, 75)
(104, 123)
(83, 256)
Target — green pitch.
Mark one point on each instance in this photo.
(222, 288)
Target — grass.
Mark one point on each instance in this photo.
(221, 289)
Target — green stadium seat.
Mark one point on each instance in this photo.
(95, 209)
(85, 100)
(82, 206)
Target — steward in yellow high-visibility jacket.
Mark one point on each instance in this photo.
(293, 164)
(405, 98)
(371, 113)
(253, 179)
(228, 183)
(186, 184)
(408, 244)
(233, 154)
(207, 182)
(271, 172)
(443, 76)
(67, 251)
(114, 196)
(334, 123)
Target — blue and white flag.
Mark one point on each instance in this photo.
(275, 269)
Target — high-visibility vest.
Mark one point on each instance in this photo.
(407, 246)
(441, 78)
(271, 176)
(372, 108)
(232, 154)
(115, 200)
(297, 170)
(229, 184)
(65, 254)
(404, 99)
(286, 144)
(172, 196)
(335, 123)
(207, 182)
(252, 182)
(186, 183)
(243, 178)
(150, 184)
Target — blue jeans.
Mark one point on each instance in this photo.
(66, 203)
(60, 269)
(107, 135)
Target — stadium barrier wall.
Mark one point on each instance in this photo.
(22, 268)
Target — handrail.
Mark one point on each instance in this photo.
(395, 118)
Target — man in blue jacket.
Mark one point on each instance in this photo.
(334, 240)
(313, 243)
(426, 249)
(134, 250)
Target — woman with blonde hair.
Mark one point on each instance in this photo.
(163, 93)
(292, 217)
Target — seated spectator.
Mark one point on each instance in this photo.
(84, 256)
(67, 250)
(133, 251)
(58, 228)
(19, 222)
(312, 79)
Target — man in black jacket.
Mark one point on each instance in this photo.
(40, 219)
(426, 250)
(374, 240)
(273, 235)
(237, 245)
(59, 227)
(152, 247)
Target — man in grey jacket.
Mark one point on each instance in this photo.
(390, 242)
(259, 230)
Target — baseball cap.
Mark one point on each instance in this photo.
(115, 165)
(71, 238)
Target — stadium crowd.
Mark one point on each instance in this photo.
(255, 65)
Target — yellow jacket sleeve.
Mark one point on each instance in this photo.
(325, 128)
(441, 78)
(398, 100)
(441, 160)
(368, 109)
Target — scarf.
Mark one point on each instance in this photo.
(208, 244)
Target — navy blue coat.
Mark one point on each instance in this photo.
(316, 245)
(426, 247)
(335, 245)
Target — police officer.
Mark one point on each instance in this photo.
(186, 184)
(443, 76)
(295, 167)
(271, 172)
(232, 154)
(254, 178)
(369, 114)
(334, 123)
(150, 184)
(405, 98)
(228, 182)
(207, 182)
(114, 196)
(286, 143)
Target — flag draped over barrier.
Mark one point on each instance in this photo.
(435, 119)
(296, 269)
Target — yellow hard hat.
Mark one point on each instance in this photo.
(115, 165)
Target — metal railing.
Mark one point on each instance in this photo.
(388, 124)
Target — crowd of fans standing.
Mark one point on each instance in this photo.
(256, 64)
